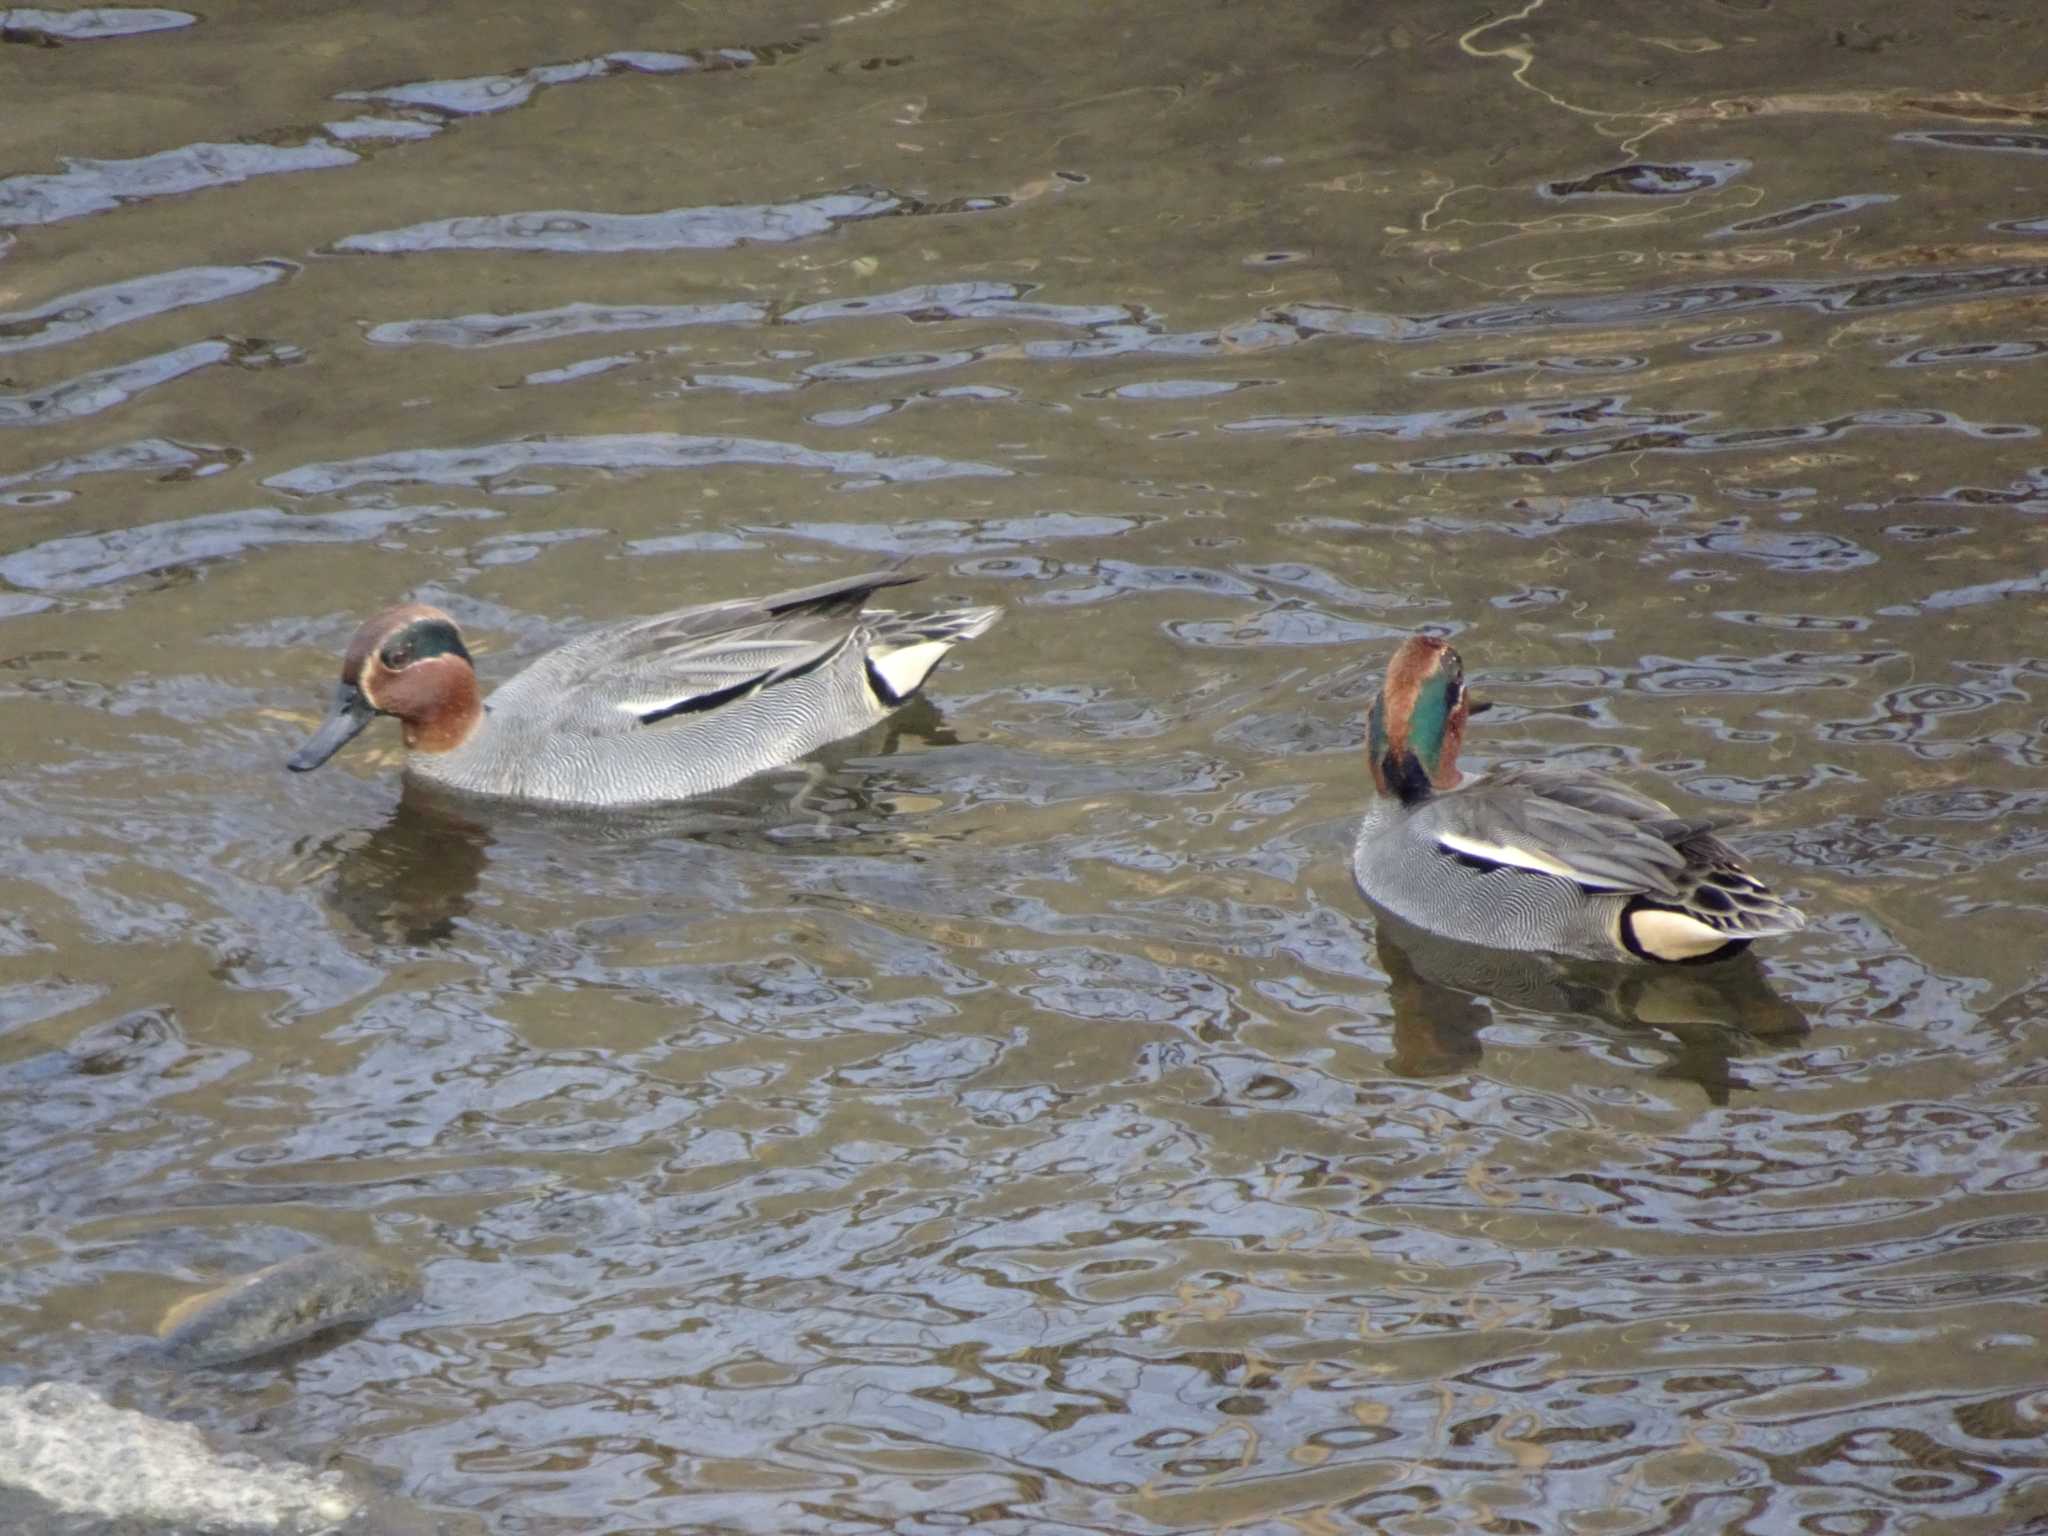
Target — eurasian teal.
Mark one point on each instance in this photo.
(648, 710)
(1557, 859)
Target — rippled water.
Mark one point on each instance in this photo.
(1014, 1121)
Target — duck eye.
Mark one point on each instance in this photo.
(396, 656)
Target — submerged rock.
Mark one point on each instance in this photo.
(284, 1304)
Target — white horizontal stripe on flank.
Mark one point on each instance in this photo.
(1526, 858)
(641, 707)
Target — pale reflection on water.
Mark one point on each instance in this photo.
(1015, 1120)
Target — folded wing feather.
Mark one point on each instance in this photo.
(628, 676)
(1586, 829)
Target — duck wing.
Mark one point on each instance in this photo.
(1583, 827)
(1689, 895)
(629, 676)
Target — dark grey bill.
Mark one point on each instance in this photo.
(351, 712)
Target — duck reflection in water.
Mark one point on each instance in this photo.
(413, 879)
(409, 881)
(1700, 1016)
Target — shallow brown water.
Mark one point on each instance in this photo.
(1016, 1122)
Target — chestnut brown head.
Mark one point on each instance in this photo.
(1417, 722)
(408, 662)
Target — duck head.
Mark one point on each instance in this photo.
(409, 662)
(1417, 722)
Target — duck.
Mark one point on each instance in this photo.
(648, 710)
(1552, 858)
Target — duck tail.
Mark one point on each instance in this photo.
(840, 595)
(906, 646)
(1718, 909)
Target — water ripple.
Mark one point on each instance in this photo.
(1692, 301)
(493, 330)
(1780, 550)
(98, 186)
(1533, 418)
(80, 561)
(93, 310)
(675, 229)
(145, 456)
(1648, 179)
(2008, 143)
(481, 95)
(93, 23)
(492, 465)
(105, 388)
(1971, 352)
(1803, 213)
(1729, 440)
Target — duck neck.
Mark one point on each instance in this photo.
(458, 711)
(1402, 776)
(1397, 771)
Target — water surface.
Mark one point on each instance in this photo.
(1014, 1121)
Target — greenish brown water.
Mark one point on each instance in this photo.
(1015, 1122)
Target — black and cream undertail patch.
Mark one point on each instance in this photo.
(1653, 930)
